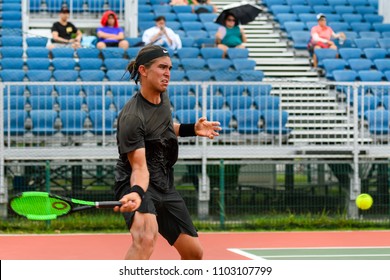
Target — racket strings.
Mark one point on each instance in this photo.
(40, 206)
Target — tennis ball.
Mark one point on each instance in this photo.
(364, 201)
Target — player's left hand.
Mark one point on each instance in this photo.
(203, 127)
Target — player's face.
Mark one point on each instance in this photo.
(159, 73)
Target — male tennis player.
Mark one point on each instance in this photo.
(148, 149)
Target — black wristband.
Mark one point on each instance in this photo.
(187, 129)
(139, 190)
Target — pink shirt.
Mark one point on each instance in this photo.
(324, 33)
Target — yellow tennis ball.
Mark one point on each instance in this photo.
(364, 201)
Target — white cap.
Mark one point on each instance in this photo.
(319, 16)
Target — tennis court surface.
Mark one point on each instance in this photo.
(319, 245)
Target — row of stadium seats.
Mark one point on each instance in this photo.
(186, 52)
(77, 6)
(15, 75)
(78, 122)
(373, 3)
(116, 103)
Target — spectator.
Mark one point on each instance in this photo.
(161, 35)
(230, 35)
(110, 34)
(179, 3)
(64, 33)
(321, 36)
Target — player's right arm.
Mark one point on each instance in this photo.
(139, 177)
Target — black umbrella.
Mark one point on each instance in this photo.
(243, 12)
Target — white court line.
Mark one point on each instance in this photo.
(245, 254)
(326, 256)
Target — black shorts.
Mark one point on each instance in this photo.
(173, 217)
(111, 44)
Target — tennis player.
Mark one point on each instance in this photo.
(148, 149)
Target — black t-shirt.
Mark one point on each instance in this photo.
(142, 124)
(64, 31)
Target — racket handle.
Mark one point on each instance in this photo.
(108, 204)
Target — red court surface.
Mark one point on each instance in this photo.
(216, 245)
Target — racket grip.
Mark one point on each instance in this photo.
(108, 204)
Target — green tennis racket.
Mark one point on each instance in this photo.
(46, 206)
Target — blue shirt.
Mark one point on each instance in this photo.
(110, 30)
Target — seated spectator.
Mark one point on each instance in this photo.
(64, 33)
(321, 36)
(230, 35)
(110, 34)
(162, 35)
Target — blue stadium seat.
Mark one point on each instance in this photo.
(370, 34)
(116, 63)
(68, 90)
(224, 117)
(70, 102)
(157, 8)
(375, 53)
(193, 63)
(226, 75)
(244, 64)
(187, 42)
(233, 53)
(12, 24)
(72, 122)
(218, 64)
(294, 26)
(39, 75)
(231, 90)
(12, 63)
(90, 63)
(96, 6)
(62, 52)
(381, 27)
(8, 52)
(384, 43)
(248, 121)
(316, 2)
(36, 42)
(113, 53)
(148, 16)
(345, 75)
(37, 52)
(42, 102)
(12, 75)
(63, 63)
(16, 120)
(323, 54)
(338, 2)
(169, 17)
(177, 75)
(65, 75)
(208, 53)
(283, 17)
(187, 17)
(120, 101)
(363, 43)
(342, 9)
(98, 117)
(35, 6)
(118, 75)
(40, 90)
(207, 17)
(332, 64)
(373, 18)
(92, 75)
(358, 64)
(365, 10)
(300, 39)
(251, 75)
(198, 75)
(180, 90)
(382, 64)
(370, 75)
(352, 17)
(301, 9)
(326, 9)
(338, 26)
(182, 9)
(116, 5)
(123, 90)
(275, 122)
(54, 6)
(144, 8)
(14, 102)
(378, 121)
(188, 52)
(180, 102)
(213, 102)
(268, 102)
(306, 17)
(235, 102)
(88, 53)
(133, 52)
(187, 115)
(96, 102)
(259, 90)
(348, 53)
(387, 75)
(366, 103)
(280, 9)
(361, 26)
(12, 41)
(296, 2)
(43, 122)
(38, 63)
(11, 15)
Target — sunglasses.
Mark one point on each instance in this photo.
(230, 19)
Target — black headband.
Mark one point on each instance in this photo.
(147, 57)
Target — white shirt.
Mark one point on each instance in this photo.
(150, 32)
